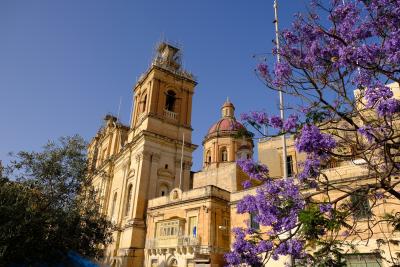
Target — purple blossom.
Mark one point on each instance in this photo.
(291, 122)
(263, 71)
(325, 207)
(276, 204)
(312, 141)
(377, 93)
(253, 170)
(388, 107)
(247, 184)
(367, 132)
(311, 167)
(255, 117)
(282, 72)
(276, 122)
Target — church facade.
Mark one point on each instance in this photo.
(165, 214)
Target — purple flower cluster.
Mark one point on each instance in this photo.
(276, 122)
(313, 142)
(317, 146)
(282, 72)
(388, 107)
(293, 247)
(291, 123)
(260, 118)
(367, 132)
(245, 250)
(325, 207)
(263, 71)
(376, 93)
(253, 169)
(311, 167)
(255, 117)
(276, 205)
(380, 96)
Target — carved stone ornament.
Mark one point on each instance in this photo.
(175, 194)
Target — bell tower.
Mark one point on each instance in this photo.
(163, 96)
(158, 151)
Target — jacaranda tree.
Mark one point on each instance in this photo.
(336, 62)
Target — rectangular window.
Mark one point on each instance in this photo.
(289, 166)
(363, 260)
(169, 229)
(192, 226)
(360, 204)
(253, 222)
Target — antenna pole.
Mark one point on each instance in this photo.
(180, 176)
(281, 105)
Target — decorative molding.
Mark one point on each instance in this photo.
(138, 157)
(165, 173)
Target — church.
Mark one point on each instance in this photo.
(166, 215)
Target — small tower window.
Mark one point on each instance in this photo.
(224, 154)
(143, 106)
(170, 100)
(163, 190)
(289, 166)
(128, 200)
(208, 157)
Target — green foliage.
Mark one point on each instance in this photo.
(47, 207)
(329, 254)
(315, 223)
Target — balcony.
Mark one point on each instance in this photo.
(170, 115)
(172, 242)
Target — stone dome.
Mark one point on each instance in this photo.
(225, 126)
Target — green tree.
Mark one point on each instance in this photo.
(48, 208)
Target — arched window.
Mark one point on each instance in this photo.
(208, 157)
(224, 154)
(170, 100)
(128, 200)
(163, 190)
(113, 204)
(143, 104)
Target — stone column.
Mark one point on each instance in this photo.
(140, 200)
(152, 192)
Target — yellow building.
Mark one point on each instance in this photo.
(164, 214)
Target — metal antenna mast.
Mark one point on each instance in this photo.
(281, 107)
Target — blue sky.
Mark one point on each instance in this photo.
(65, 64)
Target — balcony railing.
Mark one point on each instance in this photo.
(170, 114)
(173, 242)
